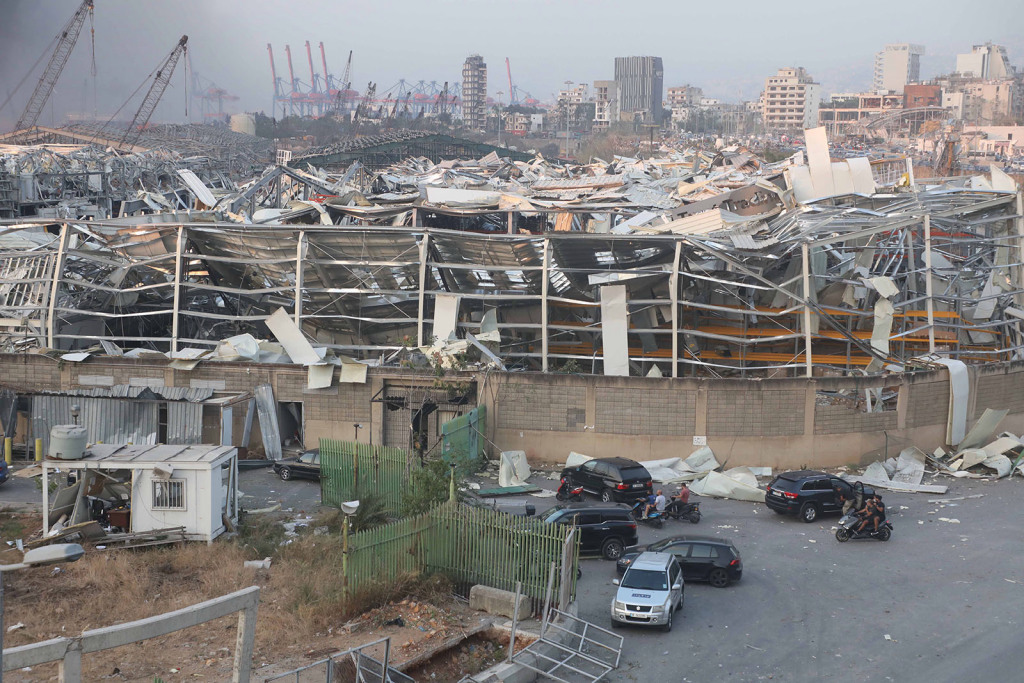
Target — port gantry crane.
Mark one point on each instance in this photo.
(59, 58)
(153, 95)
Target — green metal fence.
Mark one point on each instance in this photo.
(463, 440)
(471, 545)
(351, 470)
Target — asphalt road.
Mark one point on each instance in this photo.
(950, 597)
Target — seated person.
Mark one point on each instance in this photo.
(652, 500)
(873, 513)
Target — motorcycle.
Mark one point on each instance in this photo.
(678, 510)
(567, 492)
(655, 518)
(848, 529)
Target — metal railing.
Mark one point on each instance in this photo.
(355, 665)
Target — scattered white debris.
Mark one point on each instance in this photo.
(888, 637)
(15, 627)
(257, 564)
(950, 520)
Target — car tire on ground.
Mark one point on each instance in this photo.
(612, 549)
(718, 578)
(668, 624)
(607, 497)
(808, 512)
(285, 473)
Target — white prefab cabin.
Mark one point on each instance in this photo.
(145, 488)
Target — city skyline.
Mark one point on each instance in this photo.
(401, 41)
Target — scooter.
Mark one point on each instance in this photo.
(677, 510)
(655, 518)
(848, 529)
(566, 492)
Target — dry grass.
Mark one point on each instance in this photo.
(301, 602)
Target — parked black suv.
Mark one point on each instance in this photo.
(809, 493)
(605, 529)
(703, 558)
(613, 479)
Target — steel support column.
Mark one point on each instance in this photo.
(929, 304)
(424, 244)
(177, 289)
(544, 304)
(673, 283)
(300, 252)
(58, 272)
(805, 268)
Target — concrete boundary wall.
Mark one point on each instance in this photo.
(779, 423)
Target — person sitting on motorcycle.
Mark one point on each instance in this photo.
(684, 494)
(660, 501)
(874, 511)
(651, 502)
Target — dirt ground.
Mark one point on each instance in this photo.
(301, 618)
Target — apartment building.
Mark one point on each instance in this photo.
(896, 66)
(683, 96)
(791, 99)
(474, 92)
(606, 104)
(987, 61)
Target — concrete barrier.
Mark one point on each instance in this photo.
(497, 601)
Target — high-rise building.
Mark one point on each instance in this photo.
(791, 100)
(985, 61)
(474, 92)
(897, 65)
(640, 82)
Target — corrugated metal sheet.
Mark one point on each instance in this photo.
(107, 419)
(184, 423)
(127, 391)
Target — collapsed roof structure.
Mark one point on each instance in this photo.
(691, 263)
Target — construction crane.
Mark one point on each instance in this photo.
(346, 84)
(441, 104)
(513, 91)
(330, 89)
(316, 97)
(295, 95)
(59, 58)
(152, 98)
(278, 85)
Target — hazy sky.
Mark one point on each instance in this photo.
(727, 48)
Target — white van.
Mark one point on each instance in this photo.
(650, 591)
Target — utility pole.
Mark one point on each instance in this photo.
(566, 114)
(499, 117)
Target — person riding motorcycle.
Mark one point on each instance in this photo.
(652, 501)
(874, 511)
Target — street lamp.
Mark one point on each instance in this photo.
(566, 113)
(349, 508)
(357, 427)
(36, 557)
(76, 410)
(500, 93)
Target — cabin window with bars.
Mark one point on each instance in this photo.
(169, 494)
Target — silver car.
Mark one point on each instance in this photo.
(650, 591)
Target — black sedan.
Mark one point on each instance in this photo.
(702, 558)
(306, 466)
